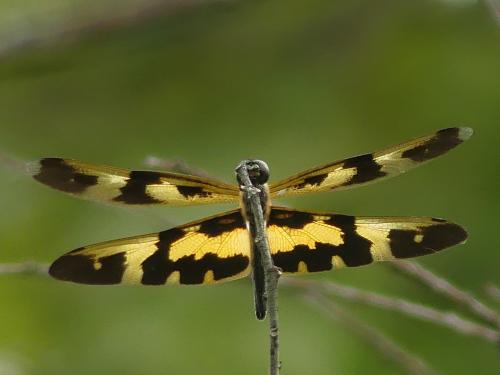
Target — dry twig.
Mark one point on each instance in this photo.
(13, 164)
(447, 319)
(29, 267)
(382, 343)
(75, 27)
(494, 7)
(444, 287)
(493, 291)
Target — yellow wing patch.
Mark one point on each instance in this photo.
(209, 251)
(115, 185)
(218, 249)
(367, 168)
(303, 242)
(283, 238)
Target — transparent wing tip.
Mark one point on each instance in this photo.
(464, 133)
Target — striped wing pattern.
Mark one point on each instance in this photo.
(115, 185)
(367, 168)
(303, 242)
(209, 251)
(217, 249)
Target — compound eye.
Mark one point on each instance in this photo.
(258, 171)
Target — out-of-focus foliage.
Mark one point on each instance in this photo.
(295, 83)
(34, 22)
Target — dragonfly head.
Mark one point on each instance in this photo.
(258, 171)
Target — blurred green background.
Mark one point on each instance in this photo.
(295, 83)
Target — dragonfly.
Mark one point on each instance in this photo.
(219, 248)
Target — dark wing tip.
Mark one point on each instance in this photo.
(60, 175)
(442, 236)
(83, 269)
(430, 239)
(67, 268)
(462, 133)
(440, 143)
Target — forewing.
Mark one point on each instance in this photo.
(208, 251)
(109, 184)
(302, 242)
(372, 167)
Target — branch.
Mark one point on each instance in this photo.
(75, 27)
(13, 164)
(449, 320)
(414, 310)
(377, 339)
(494, 8)
(29, 267)
(445, 288)
(493, 291)
(261, 245)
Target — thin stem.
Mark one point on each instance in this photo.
(391, 350)
(493, 291)
(446, 319)
(24, 267)
(271, 272)
(103, 20)
(447, 289)
(494, 8)
(13, 164)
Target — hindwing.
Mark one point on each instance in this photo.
(303, 242)
(208, 251)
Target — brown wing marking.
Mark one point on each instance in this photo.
(367, 168)
(304, 242)
(109, 184)
(208, 251)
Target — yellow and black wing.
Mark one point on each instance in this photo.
(208, 251)
(372, 167)
(217, 249)
(303, 242)
(115, 185)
